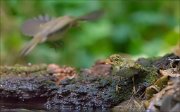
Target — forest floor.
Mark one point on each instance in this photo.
(117, 84)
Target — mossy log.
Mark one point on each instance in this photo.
(36, 87)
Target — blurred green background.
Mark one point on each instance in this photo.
(139, 28)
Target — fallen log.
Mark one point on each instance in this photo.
(50, 87)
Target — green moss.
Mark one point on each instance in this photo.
(151, 75)
(162, 82)
(21, 70)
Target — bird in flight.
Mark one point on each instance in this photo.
(45, 28)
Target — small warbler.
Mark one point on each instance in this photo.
(45, 28)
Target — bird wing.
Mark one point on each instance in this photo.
(30, 46)
(33, 26)
(57, 24)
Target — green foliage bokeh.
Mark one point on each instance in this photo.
(148, 27)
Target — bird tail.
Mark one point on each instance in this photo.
(30, 46)
(92, 16)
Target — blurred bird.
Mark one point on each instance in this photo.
(45, 28)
